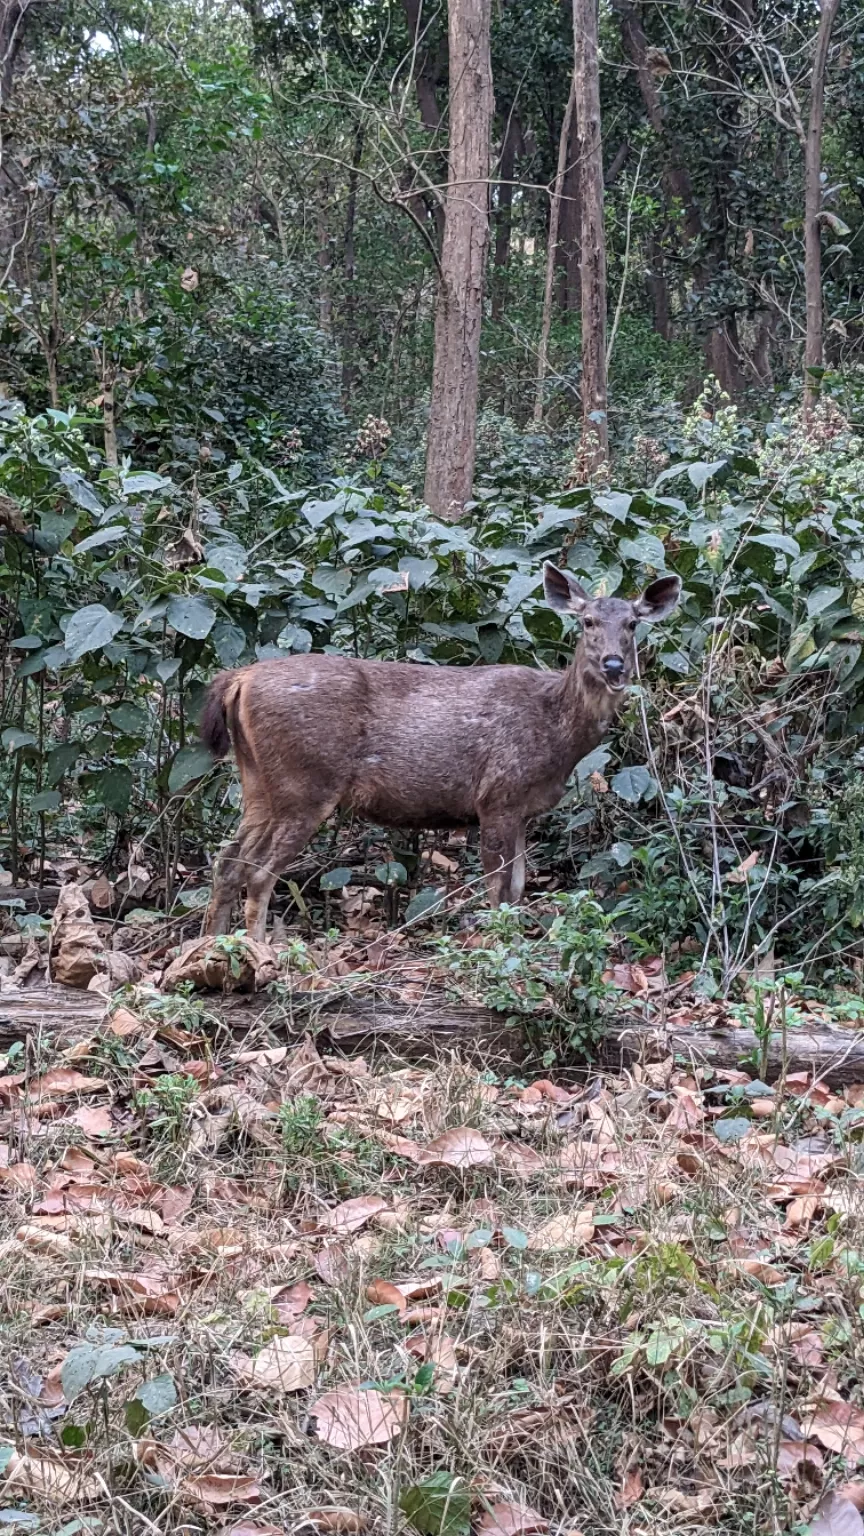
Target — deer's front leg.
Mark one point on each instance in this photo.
(502, 851)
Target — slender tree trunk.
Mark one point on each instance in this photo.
(569, 226)
(426, 74)
(659, 291)
(552, 257)
(349, 272)
(458, 315)
(325, 297)
(813, 353)
(586, 78)
(504, 211)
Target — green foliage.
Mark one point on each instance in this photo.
(554, 967)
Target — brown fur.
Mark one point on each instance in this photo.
(414, 746)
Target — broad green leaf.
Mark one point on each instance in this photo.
(60, 760)
(189, 764)
(821, 598)
(144, 480)
(779, 541)
(229, 642)
(159, 1394)
(113, 789)
(46, 800)
(130, 719)
(440, 1505)
(294, 638)
(13, 739)
(700, 474)
(317, 512)
(192, 616)
(91, 628)
(424, 903)
(81, 492)
(420, 572)
(732, 1129)
(634, 784)
(646, 549)
(110, 535)
(595, 762)
(616, 504)
(231, 559)
(87, 1363)
(336, 879)
(391, 873)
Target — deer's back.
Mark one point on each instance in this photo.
(402, 743)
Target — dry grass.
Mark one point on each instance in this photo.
(616, 1322)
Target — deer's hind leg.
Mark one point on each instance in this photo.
(236, 866)
(287, 839)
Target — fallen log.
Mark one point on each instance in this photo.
(835, 1055)
(379, 1027)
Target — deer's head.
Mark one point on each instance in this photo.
(607, 652)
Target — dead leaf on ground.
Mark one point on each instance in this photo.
(438, 1350)
(62, 1080)
(214, 1490)
(345, 1522)
(350, 1418)
(854, 1492)
(94, 1121)
(572, 1229)
(351, 1215)
(249, 1528)
(382, 1293)
(507, 1518)
(62, 1482)
(631, 1490)
(837, 1517)
(76, 952)
(286, 1364)
(460, 1148)
(248, 967)
(795, 1457)
(838, 1426)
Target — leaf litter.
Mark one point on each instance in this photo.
(362, 1264)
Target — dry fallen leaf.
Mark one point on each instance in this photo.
(507, 1518)
(572, 1229)
(459, 1148)
(212, 1490)
(632, 1489)
(345, 1522)
(382, 1293)
(63, 1080)
(853, 1492)
(838, 1426)
(286, 1364)
(350, 1418)
(75, 950)
(62, 1482)
(837, 1517)
(351, 1215)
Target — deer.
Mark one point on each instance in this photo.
(413, 746)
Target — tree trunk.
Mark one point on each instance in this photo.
(426, 75)
(552, 258)
(504, 211)
(586, 80)
(453, 407)
(325, 298)
(569, 227)
(658, 288)
(349, 273)
(813, 354)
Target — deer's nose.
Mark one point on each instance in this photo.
(613, 667)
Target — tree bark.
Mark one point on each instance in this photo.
(349, 273)
(658, 288)
(453, 408)
(426, 75)
(586, 79)
(504, 211)
(322, 232)
(813, 349)
(552, 257)
(569, 227)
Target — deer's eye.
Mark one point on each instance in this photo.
(588, 623)
(633, 624)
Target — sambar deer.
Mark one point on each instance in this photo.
(408, 745)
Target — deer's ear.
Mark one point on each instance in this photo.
(658, 600)
(563, 592)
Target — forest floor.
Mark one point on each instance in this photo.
(250, 1285)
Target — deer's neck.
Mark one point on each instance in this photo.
(587, 708)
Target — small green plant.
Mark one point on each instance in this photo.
(300, 1121)
(170, 1097)
(530, 964)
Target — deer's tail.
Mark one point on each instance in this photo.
(218, 720)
